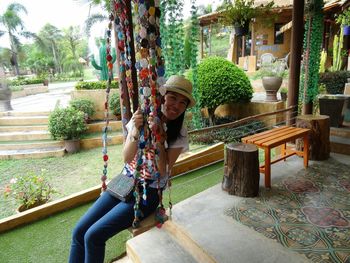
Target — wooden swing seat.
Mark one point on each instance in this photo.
(145, 224)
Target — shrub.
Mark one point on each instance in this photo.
(219, 82)
(25, 81)
(334, 81)
(114, 104)
(228, 135)
(84, 105)
(66, 124)
(91, 85)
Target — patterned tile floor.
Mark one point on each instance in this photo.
(308, 212)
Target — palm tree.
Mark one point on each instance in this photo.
(98, 17)
(13, 25)
(72, 40)
(50, 36)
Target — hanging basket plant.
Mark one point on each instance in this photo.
(241, 30)
(241, 12)
(344, 21)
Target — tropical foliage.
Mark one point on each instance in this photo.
(54, 52)
(172, 33)
(240, 12)
(11, 24)
(312, 48)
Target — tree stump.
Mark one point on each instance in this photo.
(241, 175)
(318, 136)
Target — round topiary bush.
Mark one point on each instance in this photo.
(220, 82)
(66, 124)
(84, 105)
(114, 104)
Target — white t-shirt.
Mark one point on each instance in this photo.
(180, 142)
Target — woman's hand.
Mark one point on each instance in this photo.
(137, 118)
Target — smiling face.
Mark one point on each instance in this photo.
(175, 104)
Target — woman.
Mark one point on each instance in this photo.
(108, 216)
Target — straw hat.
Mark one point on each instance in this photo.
(182, 86)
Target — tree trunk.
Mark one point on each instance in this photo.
(211, 117)
(318, 137)
(241, 176)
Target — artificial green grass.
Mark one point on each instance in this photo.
(69, 174)
(48, 240)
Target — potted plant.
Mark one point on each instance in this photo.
(241, 12)
(30, 190)
(344, 20)
(85, 105)
(67, 124)
(283, 93)
(114, 105)
(272, 75)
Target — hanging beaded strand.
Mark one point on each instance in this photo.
(122, 28)
(108, 88)
(150, 66)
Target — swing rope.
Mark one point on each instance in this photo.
(150, 70)
(109, 59)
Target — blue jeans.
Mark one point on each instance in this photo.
(107, 217)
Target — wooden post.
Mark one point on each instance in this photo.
(241, 176)
(319, 146)
(252, 47)
(202, 42)
(295, 57)
(243, 46)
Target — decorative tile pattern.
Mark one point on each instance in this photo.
(308, 212)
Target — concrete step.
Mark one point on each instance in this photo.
(341, 132)
(25, 128)
(48, 148)
(99, 126)
(157, 245)
(24, 136)
(223, 238)
(32, 153)
(24, 114)
(124, 259)
(25, 145)
(340, 144)
(23, 120)
(92, 127)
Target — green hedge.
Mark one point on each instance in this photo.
(92, 85)
(334, 81)
(19, 81)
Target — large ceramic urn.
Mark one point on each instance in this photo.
(271, 86)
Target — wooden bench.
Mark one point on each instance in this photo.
(279, 137)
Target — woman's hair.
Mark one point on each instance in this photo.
(174, 128)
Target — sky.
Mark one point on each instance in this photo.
(64, 13)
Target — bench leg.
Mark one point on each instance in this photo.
(267, 167)
(284, 150)
(306, 151)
